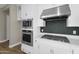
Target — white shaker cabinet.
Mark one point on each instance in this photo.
(48, 48)
(76, 51)
(58, 50)
(73, 19)
(18, 12)
(44, 48)
(27, 11)
(36, 47)
(26, 48)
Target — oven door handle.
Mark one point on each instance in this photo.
(27, 33)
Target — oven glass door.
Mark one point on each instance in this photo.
(27, 38)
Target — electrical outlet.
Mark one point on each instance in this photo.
(42, 30)
(74, 31)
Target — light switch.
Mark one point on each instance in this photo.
(74, 31)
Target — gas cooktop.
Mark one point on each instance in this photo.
(56, 38)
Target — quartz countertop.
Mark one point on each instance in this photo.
(74, 40)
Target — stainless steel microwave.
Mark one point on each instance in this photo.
(27, 24)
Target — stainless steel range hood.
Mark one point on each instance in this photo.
(63, 10)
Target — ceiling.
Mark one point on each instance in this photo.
(2, 5)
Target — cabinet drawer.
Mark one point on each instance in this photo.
(27, 49)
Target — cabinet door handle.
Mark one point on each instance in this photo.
(25, 14)
(35, 40)
(72, 51)
(52, 51)
(38, 47)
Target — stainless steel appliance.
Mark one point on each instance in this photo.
(56, 38)
(63, 10)
(27, 37)
(27, 23)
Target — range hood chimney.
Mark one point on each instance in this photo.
(59, 11)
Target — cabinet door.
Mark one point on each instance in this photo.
(44, 48)
(75, 50)
(36, 46)
(23, 11)
(73, 18)
(19, 12)
(51, 50)
(58, 50)
(26, 48)
(27, 11)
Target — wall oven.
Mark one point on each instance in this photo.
(27, 37)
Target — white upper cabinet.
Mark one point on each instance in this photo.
(73, 19)
(27, 11)
(19, 12)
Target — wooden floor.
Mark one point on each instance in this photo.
(4, 49)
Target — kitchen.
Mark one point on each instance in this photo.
(64, 20)
(44, 28)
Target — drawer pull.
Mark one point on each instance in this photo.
(72, 51)
(51, 51)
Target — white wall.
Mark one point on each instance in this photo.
(13, 31)
(7, 27)
(14, 26)
(2, 26)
